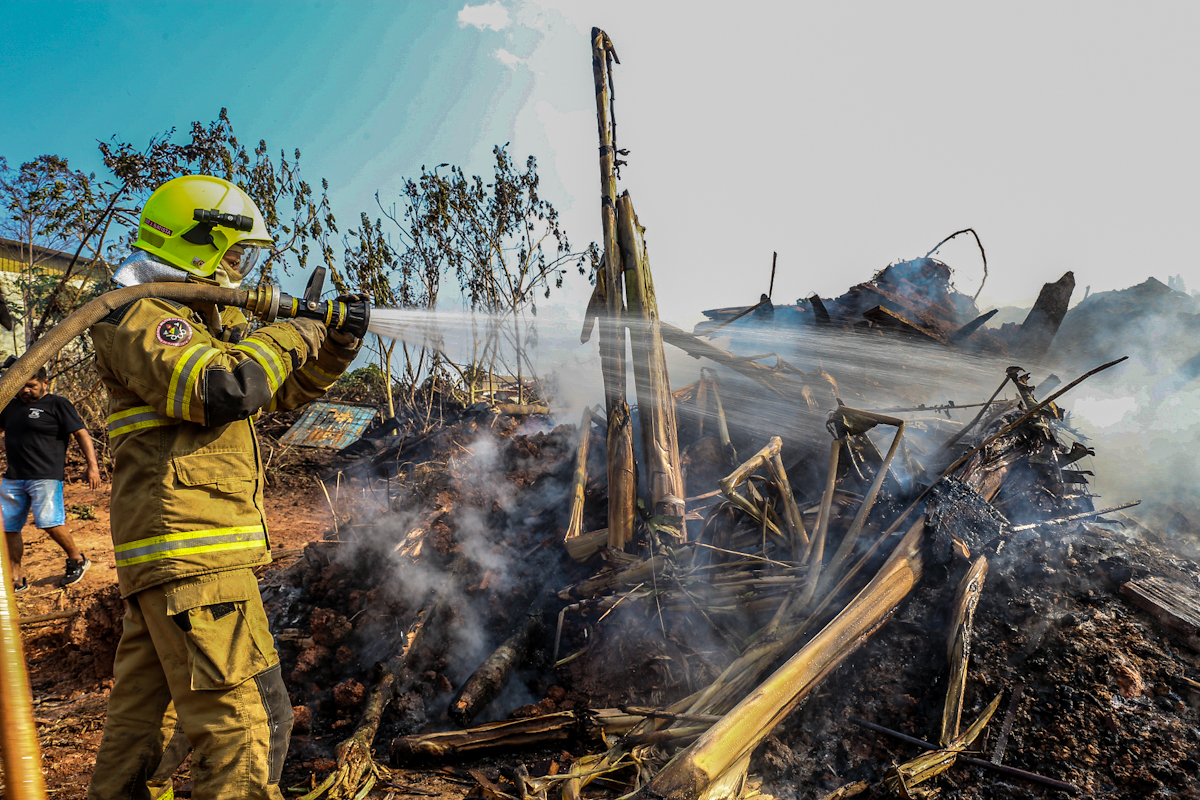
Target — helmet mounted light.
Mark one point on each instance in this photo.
(209, 219)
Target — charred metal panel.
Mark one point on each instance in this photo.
(326, 424)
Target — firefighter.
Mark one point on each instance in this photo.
(196, 665)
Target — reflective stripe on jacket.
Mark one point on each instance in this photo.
(187, 493)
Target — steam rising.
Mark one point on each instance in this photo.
(1142, 417)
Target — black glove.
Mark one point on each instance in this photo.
(345, 338)
(312, 331)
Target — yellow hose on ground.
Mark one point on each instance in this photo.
(19, 751)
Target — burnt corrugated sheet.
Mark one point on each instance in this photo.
(325, 424)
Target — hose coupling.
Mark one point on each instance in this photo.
(263, 302)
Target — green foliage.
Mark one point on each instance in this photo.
(47, 207)
(297, 218)
(502, 242)
(500, 239)
(368, 378)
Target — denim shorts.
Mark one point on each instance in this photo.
(45, 497)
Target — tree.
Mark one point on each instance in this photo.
(45, 203)
(49, 205)
(505, 245)
(47, 208)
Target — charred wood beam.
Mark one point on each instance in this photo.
(962, 334)
(1040, 326)
(890, 319)
(522, 409)
(490, 677)
(820, 313)
(1174, 605)
(356, 770)
(735, 317)
(504, 735)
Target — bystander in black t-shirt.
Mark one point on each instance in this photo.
(36, 436)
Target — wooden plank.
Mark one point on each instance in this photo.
(890, 319)
(1174, 605)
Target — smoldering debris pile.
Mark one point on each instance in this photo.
(860, 555)
(928, 604)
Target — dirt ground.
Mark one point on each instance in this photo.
(70, 672)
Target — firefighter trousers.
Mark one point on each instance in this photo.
(196, 665)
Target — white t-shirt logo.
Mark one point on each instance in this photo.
(34, 413)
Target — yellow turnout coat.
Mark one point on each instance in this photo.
(187, 493)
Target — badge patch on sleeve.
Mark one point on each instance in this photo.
(174, 331)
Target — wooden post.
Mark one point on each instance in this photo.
(622, 480)
(612, 334)
(660, 435)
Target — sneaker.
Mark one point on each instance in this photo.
(23, 586)
(75, 570)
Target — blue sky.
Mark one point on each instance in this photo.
(844, 136)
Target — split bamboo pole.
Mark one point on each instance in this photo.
(901, 779)
(785, 386)
(612, 334)
(622, 477)
(722, 422)
(622, 493)
(860, 422)
(958, 651)
(656, 405)
(579, 479)
(715, 763)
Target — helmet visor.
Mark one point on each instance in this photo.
(250, 257)
(236, 263)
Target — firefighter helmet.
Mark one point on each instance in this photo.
(190, 222)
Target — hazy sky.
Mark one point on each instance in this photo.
(844, 136)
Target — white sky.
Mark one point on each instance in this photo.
(847, 136)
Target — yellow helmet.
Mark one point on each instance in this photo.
(190, 222)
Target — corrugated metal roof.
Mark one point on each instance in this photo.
(325, 424)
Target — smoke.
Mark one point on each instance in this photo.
(1142, 416)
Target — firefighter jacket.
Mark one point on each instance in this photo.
(187, 492)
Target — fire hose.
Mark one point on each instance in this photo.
(19, 752)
